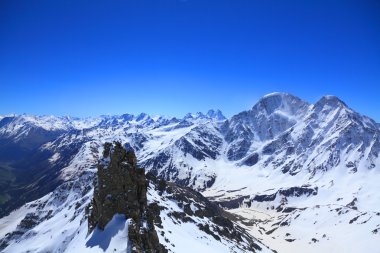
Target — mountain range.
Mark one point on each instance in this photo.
(291, 176)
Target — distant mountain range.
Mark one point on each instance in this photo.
(297, 177)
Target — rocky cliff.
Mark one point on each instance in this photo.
(121, 188)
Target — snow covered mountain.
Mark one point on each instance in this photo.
(299, 177)
(184, 220)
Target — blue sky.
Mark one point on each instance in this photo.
(86, 58)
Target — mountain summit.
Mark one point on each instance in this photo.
(279, 101)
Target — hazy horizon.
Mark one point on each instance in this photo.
(177, 116)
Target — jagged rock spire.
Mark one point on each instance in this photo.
(120, 188)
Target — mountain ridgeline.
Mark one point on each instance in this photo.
(280, 131)
(283, 165)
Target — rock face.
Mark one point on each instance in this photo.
(121, 188)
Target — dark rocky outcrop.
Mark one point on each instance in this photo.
(235, 202)
(121, 188)
(287, 192)
(251, 160)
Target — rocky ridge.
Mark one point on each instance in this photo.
(121, 188)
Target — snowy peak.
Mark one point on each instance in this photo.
(332, 109)
(216, 114)
(271, 116)
(330, 103)
(278, 101)
(142, 116)
(127, 117)
(331, 99)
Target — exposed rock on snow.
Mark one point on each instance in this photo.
(121, 188)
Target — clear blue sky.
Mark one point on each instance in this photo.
(87, 58)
